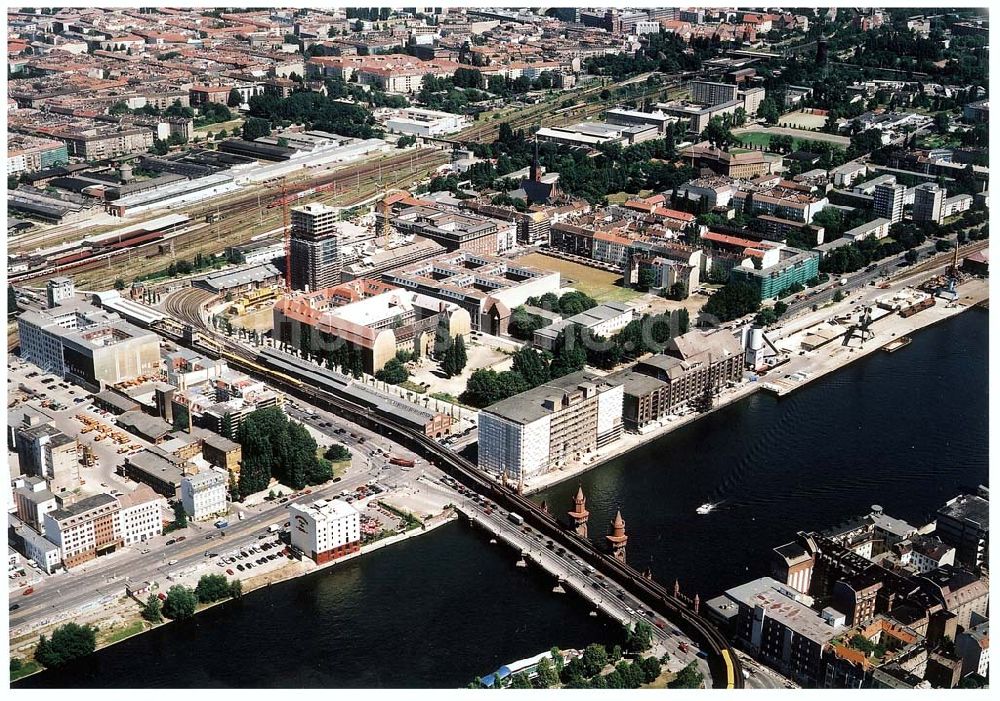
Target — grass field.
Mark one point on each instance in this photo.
(755, 138)
(599, 284)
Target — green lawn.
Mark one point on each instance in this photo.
(27, 667)
(938, 141)
(755, 138)
(121, 633)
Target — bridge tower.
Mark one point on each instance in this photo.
(579, 514)
(618, 539)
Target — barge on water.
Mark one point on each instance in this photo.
(896, 344)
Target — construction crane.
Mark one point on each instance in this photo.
(283, 201)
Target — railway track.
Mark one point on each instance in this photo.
(724, 664)
(237, 216)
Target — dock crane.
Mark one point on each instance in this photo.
(862, 328)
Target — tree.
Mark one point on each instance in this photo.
(393, 372)
(119, 284)
(734, 300)
(519, 681)
(575, 302)
(640, 638)
(547, 675)
(530, 365)
(235, 589)
(69, 642)
(651, 669)
(337, 453)
(180, 603)
(482, 389)
(647, 278)
(180, 515)
(838, 296)
(255, 127)
(152, 611)
(557, 658)
(688, 678)
(12, 307)
(595, 657)
(718, 134)
(523, 324)
(12, 182)
(911, 256)
(235, 98)
(212, 587)
(942, 122)
(160, 147)
(768, 111)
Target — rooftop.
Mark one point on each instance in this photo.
(776, 602)
(541, 401)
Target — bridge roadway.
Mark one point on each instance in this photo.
(725, 667)
(573, 573)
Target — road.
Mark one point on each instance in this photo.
(107, 575)
(890, 266)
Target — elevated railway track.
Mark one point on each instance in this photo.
(725, 666)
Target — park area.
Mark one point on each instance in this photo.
(602, 285)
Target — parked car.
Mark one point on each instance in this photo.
(229, 571)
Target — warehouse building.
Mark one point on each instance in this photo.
(87, 344)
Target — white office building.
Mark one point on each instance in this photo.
(204, 494)
(325, 530)
(554, 424)
(421, 122)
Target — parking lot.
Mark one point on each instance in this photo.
(269, 549)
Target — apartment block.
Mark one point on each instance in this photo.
(315, 247)
(141, 515)
(85, 529)
(928, 202)
(204, 494)
(889, 201)
(708, 93)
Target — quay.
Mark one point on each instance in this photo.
(801, 368)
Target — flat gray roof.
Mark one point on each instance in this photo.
(766, 593)
(635, 383)
(529, 406)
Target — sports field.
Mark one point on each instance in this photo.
(599, 284)
(802, 120)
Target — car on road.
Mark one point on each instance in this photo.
(171, 542)
(14, 607)
(183, 537)
(172, 562)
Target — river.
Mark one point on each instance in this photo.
(906, 430)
